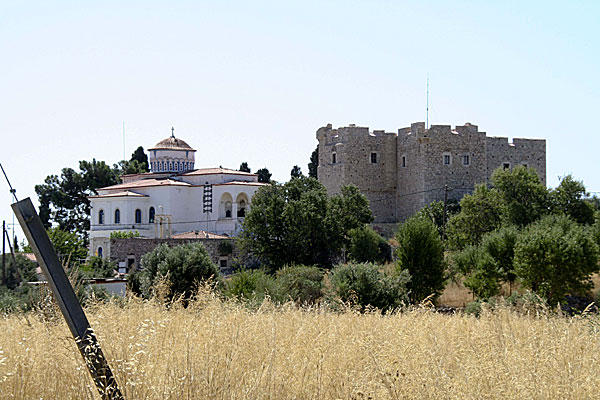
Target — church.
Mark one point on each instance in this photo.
(173, 199)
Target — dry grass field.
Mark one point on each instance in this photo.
(221, 350)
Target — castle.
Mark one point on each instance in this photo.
(402, 172)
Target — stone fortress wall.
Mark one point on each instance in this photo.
(404, 171)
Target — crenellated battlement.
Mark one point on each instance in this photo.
(402, 171)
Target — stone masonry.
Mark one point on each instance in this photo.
(404, 171)
(131, 250)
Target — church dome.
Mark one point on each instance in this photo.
(171, 155)
(171, 143)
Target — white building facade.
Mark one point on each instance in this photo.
(173, 198)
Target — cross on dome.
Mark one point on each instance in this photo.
(172, 132)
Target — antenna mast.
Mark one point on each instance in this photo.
(427, 114)
(123, 140)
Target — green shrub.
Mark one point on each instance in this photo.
(473, 308)
(98, 267)
(301, 283)
(124, 234)
(184, 267)
(365, 285)
(252, 285)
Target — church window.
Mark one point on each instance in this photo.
(151, 213)
(179, 165)
(138, 216)
(373, 158)
(162, 165)
(117, 216)
(101, 217)
(333, 158)
(242, 209)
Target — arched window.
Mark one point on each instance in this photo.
(228, 209)
(117, 216)
(151, 213)
(101, 217)
(138, 216)
(100, 251)
(241, 209)
(162, 165)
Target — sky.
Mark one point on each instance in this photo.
(253, 81)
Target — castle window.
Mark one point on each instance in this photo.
(466, 161)
(138, 216)
(447, 158)
(117, 216)
(403, 161)
(101, 217)
(151, 213)
(333, 158)
(505, 165)
(373, 158)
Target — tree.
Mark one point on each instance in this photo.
(67, 244)
(480, 213)
(349, 210)
(141, 157)
(296, 223)
(435, 212)
(569, 198)
(314, 163)
(130, 167)
(526, 198)
(500, 245)
(296, 172)
(244, 167)
(555, 256)
(18, 271)
(484, 278)
(364, 245)
(421, 252)
(182, 266)
(63, 200)
(264, 175)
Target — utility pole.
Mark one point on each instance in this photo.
(445, 211)
(3, 252)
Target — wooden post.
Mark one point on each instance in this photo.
(67, 301)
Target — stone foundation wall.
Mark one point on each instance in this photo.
(122, 250)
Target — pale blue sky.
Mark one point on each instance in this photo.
(253, 81)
